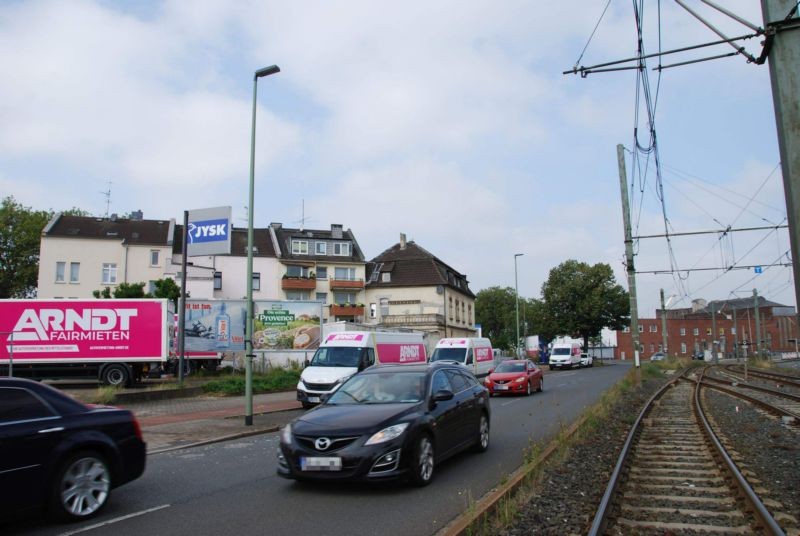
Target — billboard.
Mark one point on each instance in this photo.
(209, 232)
(219, 325)
(84, 330)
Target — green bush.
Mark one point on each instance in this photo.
(277, 379)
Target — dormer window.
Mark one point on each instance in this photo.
(341, 248)
(321, 248)
(299, 247)
(386, 277)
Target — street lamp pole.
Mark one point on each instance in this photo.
(248, 329)
(516, 293)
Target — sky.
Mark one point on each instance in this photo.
(448, 121)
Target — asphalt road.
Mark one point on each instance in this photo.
(231, 488)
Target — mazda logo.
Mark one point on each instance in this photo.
(322, 443)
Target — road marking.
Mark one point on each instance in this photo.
(510, 402)
(115, 520)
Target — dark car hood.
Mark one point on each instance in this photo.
(351, 418)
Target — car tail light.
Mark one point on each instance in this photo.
(136, 428)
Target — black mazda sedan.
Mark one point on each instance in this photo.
(60, 455)
(388, 422)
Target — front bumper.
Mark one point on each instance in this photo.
(386, 461)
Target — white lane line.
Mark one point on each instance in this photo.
(510, 402)
(115, 520)
(561, 385)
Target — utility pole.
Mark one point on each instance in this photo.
(735, 336)
(784, 74)
(664, 324)
(626, 219)
(714, 332)
(758, 325)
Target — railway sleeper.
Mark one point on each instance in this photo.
(659, 528)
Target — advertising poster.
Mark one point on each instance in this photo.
(214, 325)
(218, 325)
(287, 325)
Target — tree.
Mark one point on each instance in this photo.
(123, 290)
(495, 311)
(167, 288)
(20, 235)
(580, 300)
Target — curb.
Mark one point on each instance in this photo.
(468, 523)
(216, 440)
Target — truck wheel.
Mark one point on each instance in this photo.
(116, 375)
(81, 487)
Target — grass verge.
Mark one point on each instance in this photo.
(277, 379)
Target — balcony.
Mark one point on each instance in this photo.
(337, 284)
(298, 283)
(347, 310)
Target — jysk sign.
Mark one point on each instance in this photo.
(209, 231)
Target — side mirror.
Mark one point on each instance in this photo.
(491, 370)
(443, 395)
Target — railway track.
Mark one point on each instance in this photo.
(674, 476)
(774, 378)
(775, 401)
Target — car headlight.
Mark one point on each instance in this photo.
(520, 379)
(286, 434)
(387, 434)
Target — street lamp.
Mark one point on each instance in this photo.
(516, 292)
(248, 329)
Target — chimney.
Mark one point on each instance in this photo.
(336, 230)
(137, 215)
(402, 241)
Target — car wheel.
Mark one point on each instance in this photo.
(541, 385)
(483, 434)
(116, 375)
(81, 487)
(528, 388)
(422, 463)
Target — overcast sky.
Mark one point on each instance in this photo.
(449, 121)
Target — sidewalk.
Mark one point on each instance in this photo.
(181, 422)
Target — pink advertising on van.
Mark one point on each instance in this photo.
(483, 353)
(401, 353)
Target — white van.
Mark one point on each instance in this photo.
(473, 352)
(344, 353)
(565, 355)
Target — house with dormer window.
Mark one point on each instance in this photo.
(409, 287)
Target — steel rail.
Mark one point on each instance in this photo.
(791, 380)
(600, 522)
(758, 509)
(776, 410)
(767, 390)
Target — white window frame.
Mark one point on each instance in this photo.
(322, 272)
(154, 257)
(351, 273)
(256, 280)
(109, 273)
(299, 247)
(653, 328)
(322, 296)
(342, 249)
(683, 348)
(696, 331)
(683, 333)
(386, 277)
(217, 280)
(338, 294)
(61, 269)
(321, 248)
(292, 295)
(74, 272)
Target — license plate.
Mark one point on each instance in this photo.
(501, 387)
(321, 463)
(314, 399)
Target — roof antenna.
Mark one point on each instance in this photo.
(107, 195)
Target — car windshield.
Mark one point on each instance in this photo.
(336, 356)
(562, 351)
(449, 354)
(381, 388)
(510, 367)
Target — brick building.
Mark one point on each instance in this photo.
(727, 325)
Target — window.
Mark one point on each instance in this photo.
(440, 382)
(344, 274)
(74, 272)
(299, 247)
(683, 347)
(458, 311)
(653, 328)
(154, 257)
(641, 328)
(296, 295)
(297, 271)
(341, 248)
(322, 296)
(373, 310)
(217, 280)
(696, 331)
(386, 277)
(626, 329)
(109, 272)
(256, 280)
(463, 314)
(344, 297)
(469, 312)
(322, 272)
(652, 347)
(708, 331)
(60, 267)
(21, 405)
(456, 380)
(321, 248)
(683, 332)
(384, 307)
(733, 331)
(722, 331)
(450, 309)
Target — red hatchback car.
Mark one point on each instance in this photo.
(516, 377)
